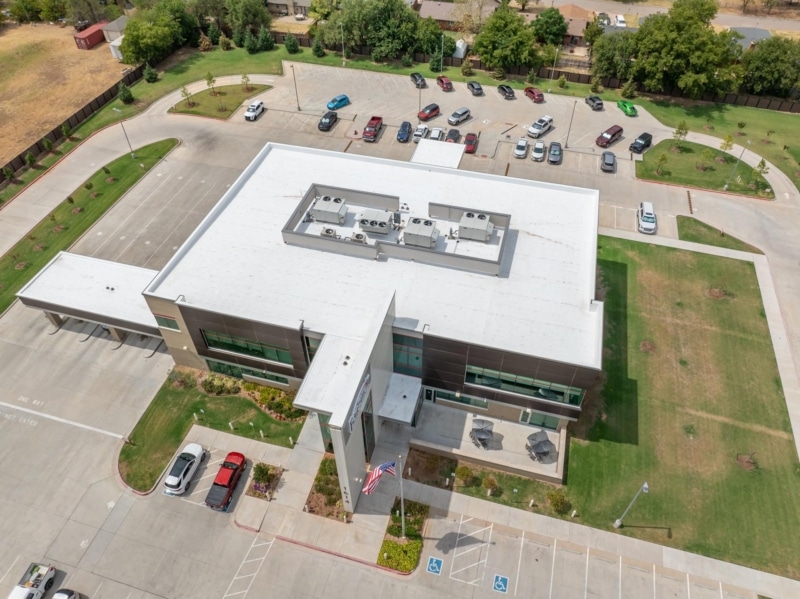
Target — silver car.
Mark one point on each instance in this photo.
(521, 149)
(539, 151)
(183, 469)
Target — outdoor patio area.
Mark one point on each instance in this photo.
(448, 431)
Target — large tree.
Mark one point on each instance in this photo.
(388, 27)
(26, 11)
(612, 54)
(550, 27)
(323, 9)
(471, 15)
(772, 67)
(429, 38)
(246, 15)
(148, 40)
(593, 32)
(505, 41)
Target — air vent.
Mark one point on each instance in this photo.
(421, 233)
(376, 221)
(358, 238)
(328, 232)
(477, 227)
(326, 209)
(337, 200)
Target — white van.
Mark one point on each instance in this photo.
(619, 21)
(646, 218)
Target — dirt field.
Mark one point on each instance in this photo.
(44, 79)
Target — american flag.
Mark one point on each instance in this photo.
(375, 477)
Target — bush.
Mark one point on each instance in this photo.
(406, 61)
(400, 557)
(181, 380)
(465, 474)
(48, 144)
(318, 49)
(531, 77)
(499, 74)
(88, 185)
(489, 483)
(435, 63)
(125, 93)
(628, 90)
(596, 88)
(291, 44)
(558, 501)
(150, 74)
(250, 43)
(214, 33)
(265, 40)
(379, 54)
(562, 82)
(466, 68)
(348, 53)
(30, 159)
(8, 174)
(261, 473)
(205, 43)
(215, 384)
(225, 43)
(65, 130)
(238, 38)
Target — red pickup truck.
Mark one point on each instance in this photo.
(373, 128)
(221, 492)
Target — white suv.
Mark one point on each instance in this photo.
(646, 218)
(254, 110)
(619, 21)
(459, 116)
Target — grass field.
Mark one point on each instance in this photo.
(682, 168)
(72, 219)
(226, 100)
(162, 428)
(691, 229)
(691, 384)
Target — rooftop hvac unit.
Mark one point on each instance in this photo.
(326, 209)
(421, 232)
(376, 221)
(358, 238)
(328, 232)
(476, 226)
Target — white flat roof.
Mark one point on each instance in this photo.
(94, 286)
(236, 261)
(438, 153)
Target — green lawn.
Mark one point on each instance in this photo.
(691, 382)
(225, 101)
(165, 423)
(691, 229)
(72, 219)
(689, 166)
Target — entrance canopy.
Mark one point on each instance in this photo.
(401, 398)
(95, 290)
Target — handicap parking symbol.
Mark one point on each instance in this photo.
(434, 565)
(500, 583)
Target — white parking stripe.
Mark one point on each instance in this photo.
(519, 562)
(9, 569)
(553, 567)
(62, 420)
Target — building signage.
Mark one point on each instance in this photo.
(363, 391)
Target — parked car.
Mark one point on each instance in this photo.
(453, 136)
(609, 136)
(328, 120)
(534, 94)
(373, 129)
(80, 24)
(471, 141)
(221, 492)
(646, 220)
(475, 88)
(619, 21)
(419, 81)
(556, 153)
(183, 469)
(459, 116)
(338, 102)
(437, 134)
(506, 92)
(444, 83)
(427, 113)
(627, 107)
(608, 162)
(540, 127)
(67, 594)
(604, 19)
(641, 143)
(595, 102)
(539, 151)
(404, 132)
(421, 132)
(254, 110)
(34, 584)
(521, 149)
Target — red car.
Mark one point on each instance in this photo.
(534, 94)
(444, 83)
(221, 492)
(427, 113)
(471, 141)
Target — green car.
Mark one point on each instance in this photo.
(627, 107)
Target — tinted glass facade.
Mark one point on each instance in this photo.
(407, 355)
(248, 347)
(240, 371)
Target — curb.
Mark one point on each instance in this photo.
(343, 556)
(127, 486)
(245, 527)
(719, 191)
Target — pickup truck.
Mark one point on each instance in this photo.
(35, 583)
(221, 492)
(540, 127)
(373, 128)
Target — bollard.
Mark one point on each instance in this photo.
(305, 508)
(447, 482)
(230, 425)
(291, 441)
(262, 433)
(397, 513)
(195, 416)
(385, 556)
(532, 503)
(574, 513)
(409, 471)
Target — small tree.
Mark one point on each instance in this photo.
(680, 133)
(8, 174)
(30, 159)
(246, 82)
(261, 473)
(265, 40)
(562, 82)
(238, 37)
(48, 144)
(727, 143)
(660, 162)
(489, 483)
(466, 68)
(628, 90)
(205, 44)
(465, 474)
(214, 33)
(187, 96)
(596, 88)
(762, 168)
(318, 49)
(499, 73)
(558, 501)
(150, 74)
(66, 131)
(125, 93)
(741, 125)
(225, 43)
(250, 43)
(291, 44)
(531, 77)
(706, 156)
(210, 81)
(435, 63)
(406, 60)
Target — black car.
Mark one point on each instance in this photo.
(453, 136)
(608, 162)
(506, 92)
(641, 143)
(81, 24)
(327, 121)
(404, 133)
(419, 80)
(475, 88)
(556, 154)
(595, 102)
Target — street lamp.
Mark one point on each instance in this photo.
(296, 96)
(725, 187)
(558, 49)
(441, 61)
(125, 133)
(643, 488)
(344, 60)
(566, 141)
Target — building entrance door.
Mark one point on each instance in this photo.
(368, 428)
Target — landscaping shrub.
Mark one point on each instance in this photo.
(65, 130)
(466, 68)
(250, 43)
(406, 61)
(265, 40)
(261, 473)
(291, 44)
(180, 380)
(435, 63)
(30, 159)
(531, 77)
(48, 144)
(214, 33)
(402, 557)
(490, 483)
(150, 74)
(465, 474)
(238, 38)
(215, 384)
(628, 90)
(205, 43)
(499, 74)
(596, 88)
(562, 81)
(8, 174)
(558, 501)
(125, 93)
(225, 43)
(318, 49)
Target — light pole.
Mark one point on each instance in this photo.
(125, 133)
(419, 103)
(566, 141)
(296, 96)
(344, 60)
(725, 187)
(441, 61)
(643, 488)
(558, 49)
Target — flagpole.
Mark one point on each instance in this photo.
(402, 503)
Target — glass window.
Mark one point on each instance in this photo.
(525, 385)
(312, 345)
(246, 347)
(167, 322)
(237, 371)
(407, 355)
(463, 399)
